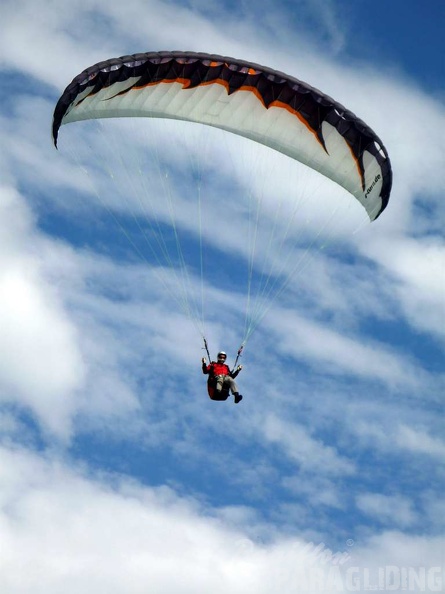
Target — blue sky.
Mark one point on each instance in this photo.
(403, 35)
(116, 469)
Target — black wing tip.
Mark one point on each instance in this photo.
(57, 119)
(55, 135)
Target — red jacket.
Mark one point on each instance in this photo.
(215, 369)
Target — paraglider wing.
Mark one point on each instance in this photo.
(253, 101)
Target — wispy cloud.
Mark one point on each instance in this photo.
(386, 509)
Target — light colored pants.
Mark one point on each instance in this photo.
(226, 381)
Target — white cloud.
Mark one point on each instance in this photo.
(339, 353)
(393, 509)
(57, 358)
(310, 454)
(420, 442)
(393, 548)
(418, 267)
(40, 364)
(63, 530)
(74, 533)
(66, 532)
